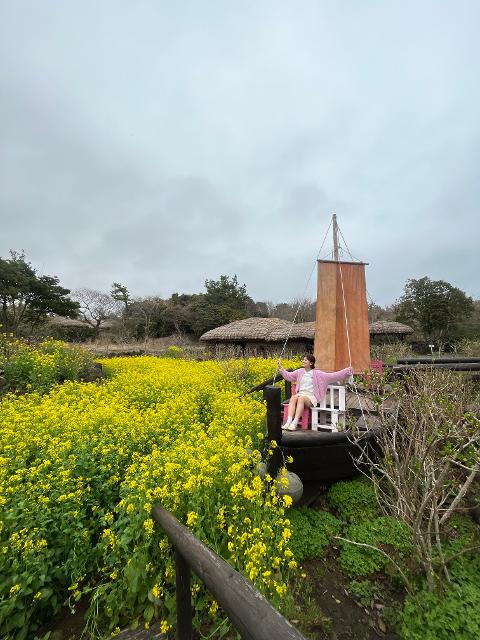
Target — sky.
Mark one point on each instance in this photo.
(160, 143)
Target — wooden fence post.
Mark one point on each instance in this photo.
(273, 397)
(184, 598)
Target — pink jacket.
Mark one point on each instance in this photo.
(320, 379)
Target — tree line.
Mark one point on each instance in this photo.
(437, 310)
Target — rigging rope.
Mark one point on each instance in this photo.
(348, 340)
(344, 311)
(300, 301)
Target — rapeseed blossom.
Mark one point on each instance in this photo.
(82, 466)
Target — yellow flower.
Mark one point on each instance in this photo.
(192, 518)
(165, 626)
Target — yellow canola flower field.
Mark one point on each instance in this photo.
(81, 467)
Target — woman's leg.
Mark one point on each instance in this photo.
(292, 406)
(302, 403)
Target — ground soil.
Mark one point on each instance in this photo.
(339, 615)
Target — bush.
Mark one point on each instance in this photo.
(468, 348)
(389, 534)
(312, 532)
(442, 616)
(37, 367)
(173, 351)
(389, 353)
(454, 613)
(354, 500)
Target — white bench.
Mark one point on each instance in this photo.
(330, 413)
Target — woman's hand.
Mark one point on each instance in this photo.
(279, 364)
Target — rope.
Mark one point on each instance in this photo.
(346, 246)
(302, 298)
(348, 343)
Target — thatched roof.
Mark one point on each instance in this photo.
(389, 328)
(250, 329)
(276, 330)
(61, 321)
(300, 331)
(260, 330)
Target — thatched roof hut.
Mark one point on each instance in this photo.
(387, 327)
(265, 335)
(386, 330)
(259, 336)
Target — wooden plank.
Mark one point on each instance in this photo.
(434, 360)
(455, 366)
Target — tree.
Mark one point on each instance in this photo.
(95, 306)
(435, 307)
(224, 302)
(27, 298)
(120, 293)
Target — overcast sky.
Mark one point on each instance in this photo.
(162, 143)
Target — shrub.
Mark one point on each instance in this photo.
(312, 532)
(389, 534)
(173, 351)
(37, 367)
(366, 591)
(389, 353)
(354, 500)
(453, 612)
(469, 348)
(442, 616)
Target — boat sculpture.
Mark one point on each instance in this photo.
(341, 340)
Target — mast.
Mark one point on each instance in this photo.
(335, 237)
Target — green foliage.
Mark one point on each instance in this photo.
(366, 591)
(354, 500)
(312, 532)
(468, 347)
(26, 297)
(386, 533)
(224, 302)
(120, 293)
(174, 352)
(37, 367)
(391, 351)
(454, 613)
(434, 306)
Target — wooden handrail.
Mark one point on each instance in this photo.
(250, 612)
(262, 385)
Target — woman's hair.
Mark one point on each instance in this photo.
(311, 358)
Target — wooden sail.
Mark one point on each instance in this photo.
(333, 345)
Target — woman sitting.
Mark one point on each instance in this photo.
(311, 387)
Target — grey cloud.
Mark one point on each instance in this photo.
(161, 144)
